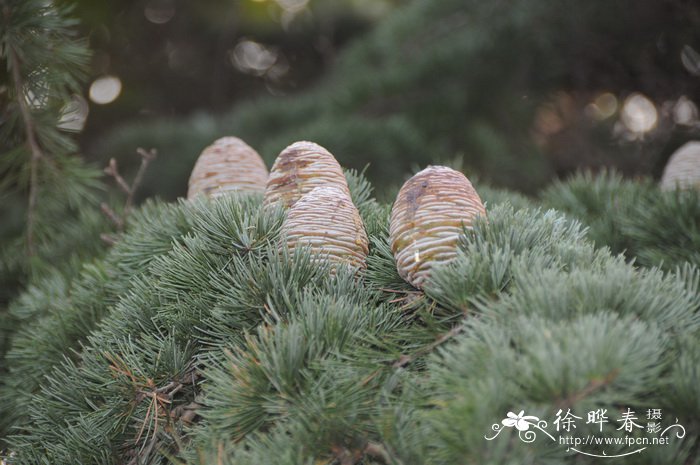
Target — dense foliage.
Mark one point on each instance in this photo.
(197, 340)
(44, 64)
(654, 227)
(48, 197)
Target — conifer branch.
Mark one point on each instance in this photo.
(160, 400)
(408, 359)
(45, 64)
(589, 389)
(30, 133)
(407, 298)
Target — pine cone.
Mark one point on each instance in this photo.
(229, 164)
(427, 218)
(683, 168)
(299, 169)
(326, 220)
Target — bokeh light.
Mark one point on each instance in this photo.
(159, 11)
(252, 57)
(685, 111)
(639, 114)
(105, 89)
(292, 6)
(602, 107)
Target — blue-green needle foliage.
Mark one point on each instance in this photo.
(49, 198)
(43, 67)
(198, 339)
(652, 227)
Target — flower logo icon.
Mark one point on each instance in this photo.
(520, 421)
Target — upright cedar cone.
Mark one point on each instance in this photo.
(299, 169)
(683, 168)
(427, 218)
(229, 164)
(326, 220)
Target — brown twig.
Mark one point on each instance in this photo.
(112, 170)
(382, 452)
(345, 456)
(160, 415)
(186, 413)
(108, 239)
(147, 156)
(589, 389)
(407, 297)
(407, 359)
(398, 291)
(160, 401)
(112, 215)
(145, 420)
(34, 148)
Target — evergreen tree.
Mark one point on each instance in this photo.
(50, 197)
(44, 66)
(197, 340)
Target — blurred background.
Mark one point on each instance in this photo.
(515, 92)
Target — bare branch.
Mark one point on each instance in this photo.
(113, 170)
(108, 239)
(112, 215)
(147, 156)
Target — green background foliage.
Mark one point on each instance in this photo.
(438, 80)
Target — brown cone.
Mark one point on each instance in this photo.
(427, 218)
(299, 169)
(229, 164)
(326, 220)
(683, 168)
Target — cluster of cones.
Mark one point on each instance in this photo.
(429, 213)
